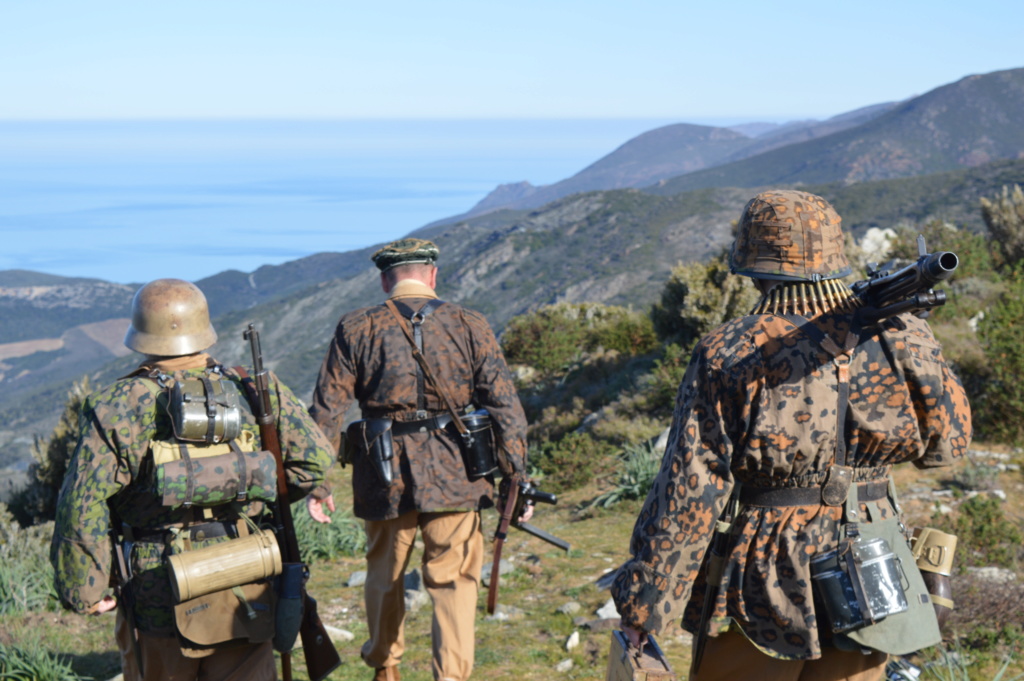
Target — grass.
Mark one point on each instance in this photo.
(526, 648)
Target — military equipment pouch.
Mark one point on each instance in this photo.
(372, 438)
(224, 565)
(288, 586)
(477, 444)
(874, 594)
(211, 475)
(240, 615)
(204, 409)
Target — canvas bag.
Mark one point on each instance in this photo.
(916, 627)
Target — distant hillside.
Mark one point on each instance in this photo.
(234, 290)
(36, 306)
(965, 124)
(670, 151)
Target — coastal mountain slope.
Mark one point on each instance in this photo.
(973, 121)
(670, 151)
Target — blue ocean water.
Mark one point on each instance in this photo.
(129, 201)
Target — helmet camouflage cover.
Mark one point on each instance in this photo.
(789, 235)
(405, 252)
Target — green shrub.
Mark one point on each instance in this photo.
(26, 576)
(985, 536)
(33, 663)
(640, 465)
(555, 338)
(343, 536)
(699, 297)
(999, 409)
(1004, 217)
(572, 461)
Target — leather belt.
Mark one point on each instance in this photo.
(195, 532)
(806, 496)
(400, 428)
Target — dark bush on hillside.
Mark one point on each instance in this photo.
(572, 461)
(555, 337)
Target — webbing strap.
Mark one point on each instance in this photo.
(422, 361)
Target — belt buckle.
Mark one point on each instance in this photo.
(422, 415)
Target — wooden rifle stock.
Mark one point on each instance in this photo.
(321, 656)
(499, 541)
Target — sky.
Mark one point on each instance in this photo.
(84, 204)
(693, 61)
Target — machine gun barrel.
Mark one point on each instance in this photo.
(886, 293)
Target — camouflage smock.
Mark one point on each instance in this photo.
(370, 360)
(110, 470)
(757, 407)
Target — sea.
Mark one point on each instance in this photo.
(131, 201)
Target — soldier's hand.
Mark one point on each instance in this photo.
(107, 604)
(316, 510)
(527, 513)
(636, 637)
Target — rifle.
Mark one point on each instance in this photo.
(518, 495)
(886, 293)
(321, 656)
(717, 552)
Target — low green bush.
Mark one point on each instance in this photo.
(26, 576)
(640, 464)
(343, 536)
(571, 462)
(33, 663)
(985, 536)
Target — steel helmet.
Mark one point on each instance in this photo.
(791, 236)
(169, 318)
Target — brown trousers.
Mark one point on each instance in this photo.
(452, 558)
(732, 657)
(162, 659)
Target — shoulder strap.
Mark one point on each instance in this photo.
(421, 360)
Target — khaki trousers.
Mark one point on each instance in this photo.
(732, 657)
(452, 558)
(162, 659)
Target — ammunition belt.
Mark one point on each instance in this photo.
(400, 428)
(195, 532)
(806, 496)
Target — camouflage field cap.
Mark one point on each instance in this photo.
(791, 236)
(405, 252)
(170, 317)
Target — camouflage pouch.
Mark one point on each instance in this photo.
(242, 615)
(913, 629)
(210, 475)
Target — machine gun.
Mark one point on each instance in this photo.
(518, 494)
(528, 496)
(886, 293)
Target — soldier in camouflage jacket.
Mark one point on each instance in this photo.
(757, 409)
(370, 361)
(110, 487)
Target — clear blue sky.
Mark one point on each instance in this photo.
(691, 61)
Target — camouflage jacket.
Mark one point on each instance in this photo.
(110, 478)
(370, 361)
(757, 407)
